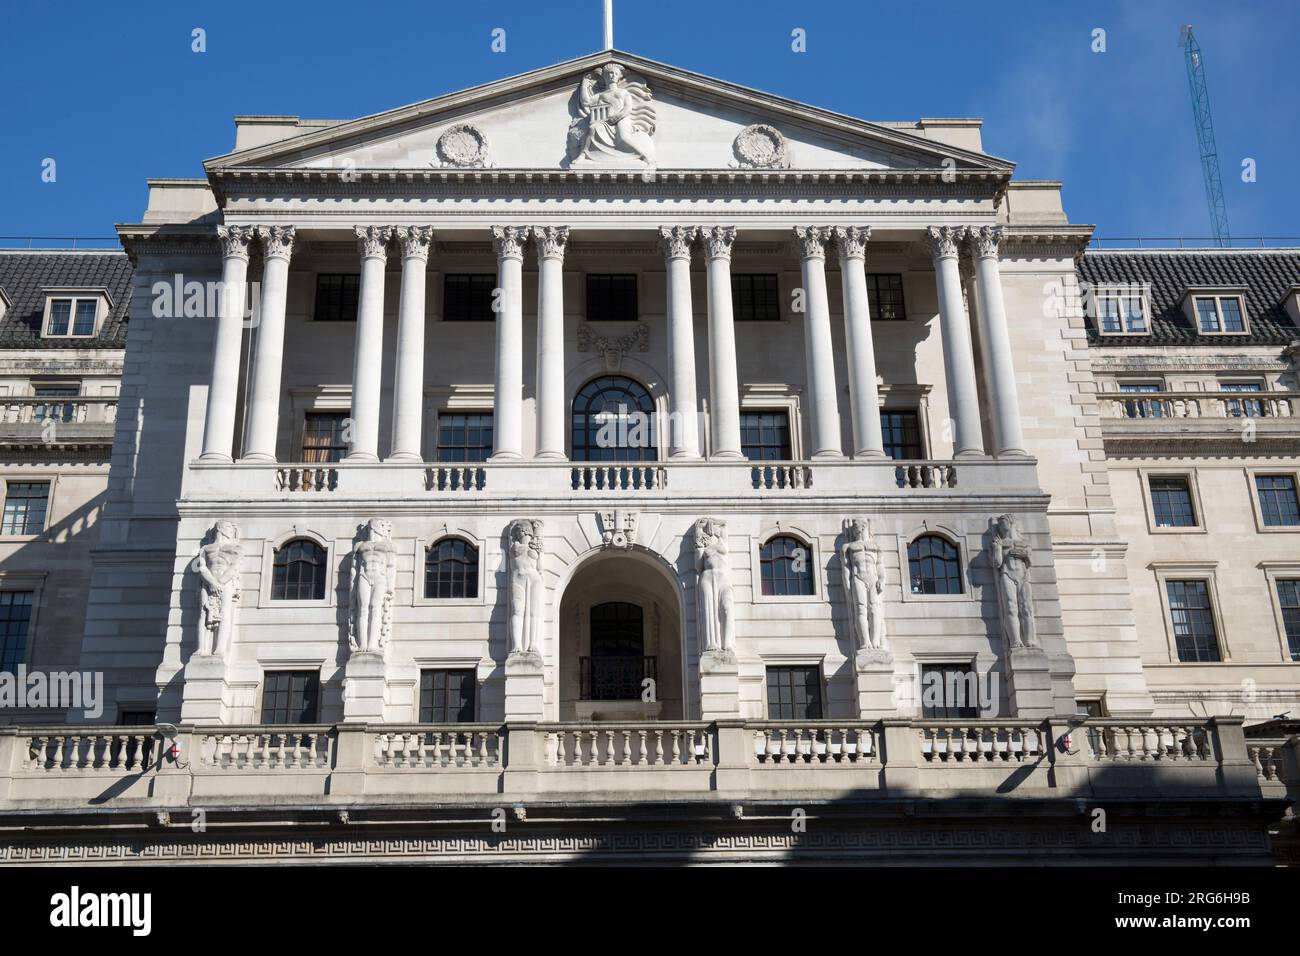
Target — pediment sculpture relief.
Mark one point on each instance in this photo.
(463, 146)
(615, 120)
(761, 147)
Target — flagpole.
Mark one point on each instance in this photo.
(609, 24)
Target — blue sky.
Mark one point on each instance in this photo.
(113, 92)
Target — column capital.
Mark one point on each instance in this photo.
(718, 241)
(551, 241)
(944, 240)
(812, 241)
(277, 241)
(984, 240)
(372, 241)
(416, 241)
(676, 240)
(509, 241)
(234, 241)
(852, 241)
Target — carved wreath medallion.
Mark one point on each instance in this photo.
(463, 145)
(761, 147)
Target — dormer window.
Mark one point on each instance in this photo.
(1217, 311)
(4, 303)
(73, 314)
(1122, 310)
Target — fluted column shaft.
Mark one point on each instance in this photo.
(864, 394)
(368, 365)
(264, 400)
(724, 384)
(551, 242)
(223, 386)
(958, 358)
(508, 390)
(408, 388)
(818, 348)
(995, 342)
(683, 429)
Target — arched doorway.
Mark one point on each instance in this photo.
(620, 640)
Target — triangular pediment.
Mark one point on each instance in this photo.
(642, 114)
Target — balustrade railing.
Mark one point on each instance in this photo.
(585, 745)
(71, 409)
(445, 746)
(88, 750)
(266, 748)
(844, 742)
(926, 474)
(619, 477)
(1267, 758)
(982, 742)
(781, 476)
(306, 478)
(1109, 740)
(1142, 405)
(456, 478)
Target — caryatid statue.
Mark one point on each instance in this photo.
(527, 593)
(218, 567)
(617, 120)
(1010, 556)
(864, 585)
(713, 592)
(371, 586)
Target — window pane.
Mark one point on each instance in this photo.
(1108, 311)
(933, 566)
(336, 297)
(765, 436)
(613, 420)
(447, 696)
(1134, 318)
(1277, 500)
(15, 618)
(885, 297)
(298, 572)
(785, 566)
(1231, 309)
(754, 298)
(290, 697)
(901, 431)
(1171, 503)
(322, 437)
(794, 693)
(949, 691)
(1288, 596)
(451, 570)
(84, 324)
(1193, 621)
(1207, 315)
(60, 315)
(25, 506)
(465, 437)
(468, 297)
(611, 298)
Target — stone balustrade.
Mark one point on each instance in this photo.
(565, 480)
(70, 410)
(73, 767)
(1158, 405)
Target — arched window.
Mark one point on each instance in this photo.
(934, 565)
(786, 565)
(451, 569)
(613, 420)
(298, 571)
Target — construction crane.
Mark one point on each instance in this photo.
(1205, 135)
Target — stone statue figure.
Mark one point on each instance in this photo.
(616, 120)
(1009, 555)
(371, 586)
(527, 589)
(218, 566)
(713, 593)
(864, 585)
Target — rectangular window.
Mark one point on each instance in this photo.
(15, 620)
(754, 298)
(60, 314)
(1171, 502)
(765, 436)
(1288, 596)
(322, 437)
(25, 505)
(794, 693)
(336, 297)
(901, 431)
(447, 696)
(1121, 312)
(949, 691)
(290, 697)
(885, 297)
(1219, 314)
(465, 436)
(611, 298)
(84, 323)
(73, 316)
(1195, 636)
(1278, 505)
(1142, 407)
(467, 297)
(1244, 407)
(55, 411)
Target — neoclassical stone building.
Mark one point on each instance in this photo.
(610, 434)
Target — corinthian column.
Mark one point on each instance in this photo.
(683, 431)
(958, 360)
(508, 391)
(995, 341)
(264, 402)
(223, 387)
(551, 242)
(368, 366)
(724, 386)
(408, 389)
(864, 396)
(817, 346)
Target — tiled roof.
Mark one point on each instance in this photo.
(1267, 274)
(25, 274)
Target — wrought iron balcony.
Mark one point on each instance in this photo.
(616, 678)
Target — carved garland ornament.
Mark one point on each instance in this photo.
(614, 347)
(761, 147)
(464, 146)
